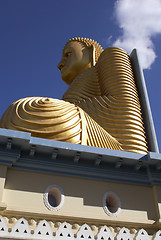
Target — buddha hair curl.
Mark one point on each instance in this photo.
(88, 42)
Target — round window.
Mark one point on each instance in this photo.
(111, 204)
(53, 197)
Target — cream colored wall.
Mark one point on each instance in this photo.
(83, 197)
(157, 194)
(3, 171)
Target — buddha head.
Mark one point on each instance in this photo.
(78, 55)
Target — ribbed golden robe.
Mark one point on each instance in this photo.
(107, 92)
(101, 108)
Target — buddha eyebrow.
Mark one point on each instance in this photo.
(69, 49)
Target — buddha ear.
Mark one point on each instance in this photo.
(92, 55)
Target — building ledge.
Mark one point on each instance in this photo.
(18, 150)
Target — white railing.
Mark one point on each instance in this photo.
(23, 229)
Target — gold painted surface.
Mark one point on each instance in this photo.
(44, 117)
(101, 107)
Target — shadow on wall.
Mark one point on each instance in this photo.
(133, 197)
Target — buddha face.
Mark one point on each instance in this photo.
(75, 59)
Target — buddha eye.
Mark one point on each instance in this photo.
(68, 54)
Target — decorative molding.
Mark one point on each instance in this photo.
(114, 201)
(43, 231)
(64, 232)
(46, 197)
(77, 157)
(92, 162)
(21, 229)
(105, 233)
(9, 144)
(157, 235)
(124, 234)
(54, 154)
(3, 227)
(142, 235)
(32, 150)
(32, 229)
(85, 232)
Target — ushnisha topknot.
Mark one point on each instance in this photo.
(88, 42)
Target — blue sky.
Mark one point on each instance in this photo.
(33, 34)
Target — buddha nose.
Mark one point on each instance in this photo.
(60, 65)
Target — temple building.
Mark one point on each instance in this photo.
(51, 189)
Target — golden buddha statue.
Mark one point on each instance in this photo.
(101, 107)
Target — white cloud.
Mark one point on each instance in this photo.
(139, 20)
